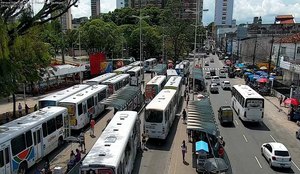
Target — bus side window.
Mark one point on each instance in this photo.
(51, 127)
(59, 121)
(18, 144)
(28, 138)
(84, 108)
(80, 109)
(45, 132)
(1, 158)
(6, 155)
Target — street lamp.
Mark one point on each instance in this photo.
(195, 44)
(140, 17)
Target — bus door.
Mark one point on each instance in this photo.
(5, 158)
(38, 142)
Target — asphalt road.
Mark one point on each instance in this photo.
(243, 141)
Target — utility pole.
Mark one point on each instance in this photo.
(254, 53)
(270, 58)
(279, 49)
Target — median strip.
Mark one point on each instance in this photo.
(258, 162)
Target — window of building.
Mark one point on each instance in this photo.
(223, 22)
(223, 18)
(283, 50)
(298, 50)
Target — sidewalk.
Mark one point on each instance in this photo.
(275, 102)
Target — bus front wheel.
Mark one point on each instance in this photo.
(23, 168)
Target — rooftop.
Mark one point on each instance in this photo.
(284, 19)
(294, 38)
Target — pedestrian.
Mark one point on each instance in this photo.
(47, 166)
(20, 110)
(35, 107)
(144, 140)
(183, 150)
(82, 142)
(184, 116)
(280, 100)
(92, 124)
(284, 101)
(184, 95)
(71, 162)
(189, 132)
(77, 156)
(187, 99)
(26, 109)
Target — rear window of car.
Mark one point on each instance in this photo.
(281, 153)
(216, 78)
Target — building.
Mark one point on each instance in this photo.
(284, 19)
(121, 4)
(144, 3)
(287, 56)
(95, 8)
(66, 20)
(190, 7)
(223, 12)
(76, 22)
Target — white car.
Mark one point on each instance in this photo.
(276, 154)
(207, 75)
(214, 88)
(226, 84)
(215, 79)
(206, 63)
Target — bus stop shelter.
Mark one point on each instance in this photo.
(197, 73)
(127, 98)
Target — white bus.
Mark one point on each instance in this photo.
(53, 99)
(123, 69)
(137, 63)
(116, 83)
(99, 79)
(170, 73)
(136, 75)
(180, 69)
(153, 87)
(149, 64)
(26, 140)
(248, 104)
(85, 105)
(160, 114)
(175, 83)
(116, 149)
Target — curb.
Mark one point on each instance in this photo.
(276, 106)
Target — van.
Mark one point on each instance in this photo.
(215, 79)
(207, 75)
(225, 114)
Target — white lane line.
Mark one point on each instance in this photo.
(295, 165)
(273, 138)
(236, 122)
(245, 138)
(258, 162)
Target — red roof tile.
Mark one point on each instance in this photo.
(284, 17)
(294, 38)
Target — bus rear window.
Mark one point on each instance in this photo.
(255, 103)
(153, 116)
(46, 103)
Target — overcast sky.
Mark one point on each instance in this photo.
(243, 10)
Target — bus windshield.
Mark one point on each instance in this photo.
(255, 103)
(154, 116)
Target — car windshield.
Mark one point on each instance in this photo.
(281, 153)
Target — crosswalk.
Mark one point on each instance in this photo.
(208, 69)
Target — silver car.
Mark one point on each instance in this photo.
(213, 88)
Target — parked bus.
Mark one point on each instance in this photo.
(170, 73)
(175, 83)
(153, 87)
(137, 63)
(115, 150)
(85, 105)
(53, 99)
(136, 75)
(123, 69)
(116, 83)
(247, 103)
(99, 79)
(149, 64)
(27, 140)
(160, 114)
(180, 69)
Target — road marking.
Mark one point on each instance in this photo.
(258, 162)
(295, 165)
(245, 138)
(273, 138)
(237, 123)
